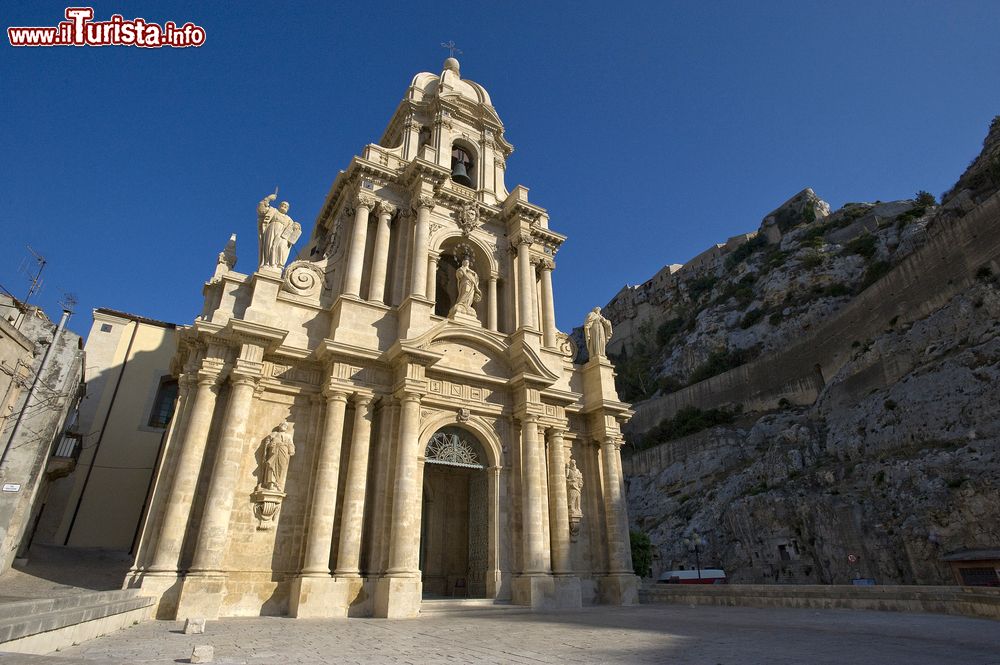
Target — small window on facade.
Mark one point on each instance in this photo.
(163, 405)
(105, 327)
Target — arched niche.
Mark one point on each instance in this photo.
(451, 252)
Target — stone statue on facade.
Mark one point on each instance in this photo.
(574, 494)
(468, 290)
(597, 331)
(278, 450)
(277, 232)
(574, 489)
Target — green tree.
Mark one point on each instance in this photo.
(642, 553)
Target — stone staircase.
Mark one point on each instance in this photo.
(43, 625)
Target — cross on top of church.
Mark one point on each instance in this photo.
(452, 48)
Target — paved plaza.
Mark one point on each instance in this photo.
(647, 634)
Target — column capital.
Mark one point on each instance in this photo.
(243, 379)
(522, 239)
(404, 396)
(384, 208)
(545, 263)
(528, 419)
(423, 202)
(362, 400)
(208, 377)
(363, 200)
(557, 432)
(335, 395)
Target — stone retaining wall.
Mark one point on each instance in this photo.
(965, 601)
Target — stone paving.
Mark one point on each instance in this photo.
(648, 634)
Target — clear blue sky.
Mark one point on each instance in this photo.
(648, 129)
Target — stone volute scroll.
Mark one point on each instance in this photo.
(574, 493)
(304, 278)
(276, 452)
(277, 233)
(597, 332)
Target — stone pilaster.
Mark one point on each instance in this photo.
(432, 265)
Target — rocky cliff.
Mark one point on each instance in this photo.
(895, 458)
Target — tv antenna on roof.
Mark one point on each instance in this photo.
(452, 49)
(34, 277)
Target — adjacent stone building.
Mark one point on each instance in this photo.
(41, 374)
(394, 414)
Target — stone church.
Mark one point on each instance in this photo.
(393, 415)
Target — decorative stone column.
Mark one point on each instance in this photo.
(432, 266)
(380, 254)
(214, 532)
(491, 304)
(352, 516)
(525, 283)
(324, 497)
(359, 237)
(204, 587)
(398, 593)
(546, 266)
(536, 560)
(558, 506)
(418, 278)
(186, 471)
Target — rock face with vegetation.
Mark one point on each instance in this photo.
(876, 484)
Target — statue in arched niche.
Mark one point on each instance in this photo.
(469, 292)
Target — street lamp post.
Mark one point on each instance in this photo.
(695, 543)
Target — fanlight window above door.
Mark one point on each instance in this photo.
(451, 449)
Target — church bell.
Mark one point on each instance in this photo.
(460, 175)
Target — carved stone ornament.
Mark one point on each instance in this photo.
(566, 345)
(463, 415)
(468, 218)
(365, 201)
(304, 278)
(276, 452)
(423, 202)
(385, 208)
(574, 493)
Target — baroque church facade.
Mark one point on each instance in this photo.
(393, 415)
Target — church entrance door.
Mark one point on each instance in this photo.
(454, 529)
